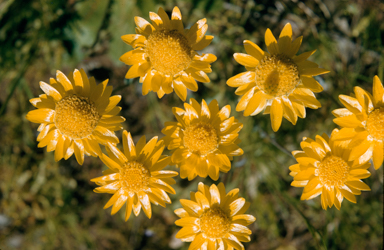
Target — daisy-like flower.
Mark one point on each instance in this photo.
(363, 121)
(203, 140)
(324, 168)
(164, 55)
(213, 219)
(76, 115)
(278, 82)
(136, 177)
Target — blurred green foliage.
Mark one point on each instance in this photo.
(50, 205)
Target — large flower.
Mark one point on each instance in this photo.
(323, 168)
(204, 139)
(363, 122)
(164, 55)
(136, 177)
(278, 82)
(213, 219)
(76, 115)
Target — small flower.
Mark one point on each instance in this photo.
(203, 140)
(362, 122)
(213, 219)
(164, 55)
(323, 168)
(136, 177)
(76, 115)
(278, 82)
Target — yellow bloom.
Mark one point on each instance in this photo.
(363, 121)
(76, 115)
(278, 82)
(323, 168)
(136, 177)
(204, 139)
(213, 219)
(164, 55)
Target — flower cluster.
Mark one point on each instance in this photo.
(77, 116)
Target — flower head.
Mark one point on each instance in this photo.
(164, 55)
(213, 219)
(136, 177)
(76, 115)
(278, 82)
(362, 122)
(203, 140)
(323, 168)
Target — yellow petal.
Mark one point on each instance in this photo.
(350, 103)
(295, 46)
(41, 115)
(145, 204)
(50, 91)
(254, 50)
(285, 39)
(176, 20)
(204, 42)
(377, 156)
(246, 60)
(180, 89)
(358, 185)
(304, 56)
(313, 71)
(348, 195)
(378, 91)
(276, 114)
(64, 81)
(144, 25)
(241, 79)
(311, 84)
(271, 43)
(256, 104)
(235, 206)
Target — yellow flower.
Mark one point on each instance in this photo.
(136, 177)
(76, 115)
(363, 122)
(203, 140)
(323, 168)
(278, 82)
(213, 219)
(164, 55)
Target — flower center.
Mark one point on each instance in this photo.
(134, 177)
(375, 124)
(277, 75)
(333, 171)
(214, 223)
(200, 138)
(76, 117)
(169, 51)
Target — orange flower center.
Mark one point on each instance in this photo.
(375, 124)
(76, 117)
(134, 177)
(333, 171)
(169, 51)
(200, 138)
(277, 75)
(214, 223)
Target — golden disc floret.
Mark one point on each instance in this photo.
(277, 75)
(134, 177)
(333, 171)
(169, 51)
(214, 223)
(76, 116)
(375, 124)
(200, 138)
